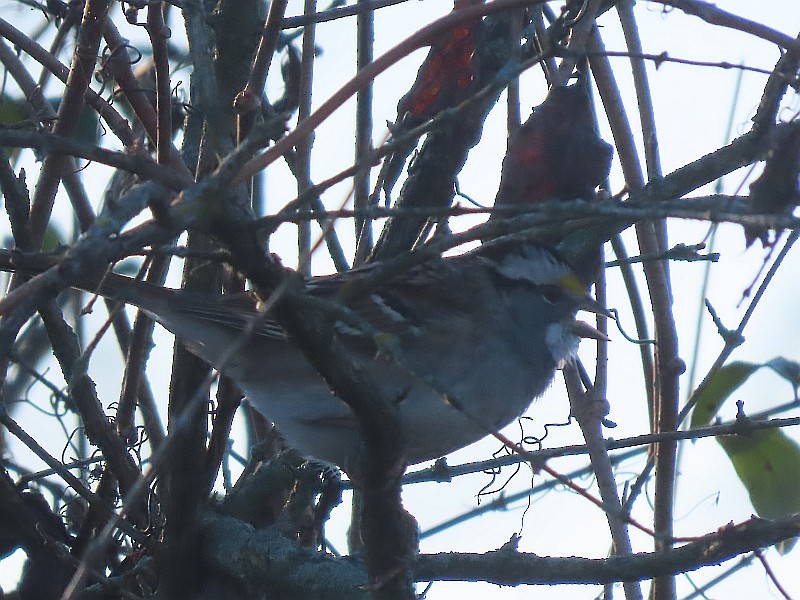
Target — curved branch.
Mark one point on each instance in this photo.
(716, 16)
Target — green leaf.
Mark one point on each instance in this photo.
(88, 128)
(722, 384)
(767, 462)
(13, 110)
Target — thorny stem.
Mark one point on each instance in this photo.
(734, 340)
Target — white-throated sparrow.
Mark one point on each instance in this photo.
(488, 327)
(463, 344)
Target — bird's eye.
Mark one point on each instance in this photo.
(551, 293)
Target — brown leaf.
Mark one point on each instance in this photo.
(776, 191)
(556, 154)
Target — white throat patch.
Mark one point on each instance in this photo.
(562, 343)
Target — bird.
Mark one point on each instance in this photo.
(473, 338)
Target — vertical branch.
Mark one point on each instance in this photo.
(119, 67)
(582, 31)
(134, 389)
(639, 319)
(544, 45)
(365, 25)
(159, 33)
(248, 101)
(601, 369)
(516, 25)
(58, 43)
(668, 365)
(205, 87)
(649, 135)
(645, 101)
(304, 148)
(183, 475)
(80, 73)
(619, 527)
(589, 408)
(140, 338)
(228, 399)
(617, 118)
(365, 41)
(158, 125)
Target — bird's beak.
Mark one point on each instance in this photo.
(584, 330)
(589, 304)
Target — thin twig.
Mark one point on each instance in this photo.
(502, 502)
(642, 86)
(80, 73)
(710, 13)
(365, 34)
(508, 567)
(248, 101)
(362, 8)
(771, 574)
(582, 28)
(118, 65)
(140, 164)
(108, 113)
(733, 341)
(141, 341)
(47, 116)
(63, 472)
(303, 152)
(652, 239)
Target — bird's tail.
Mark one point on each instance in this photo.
(108, 285)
